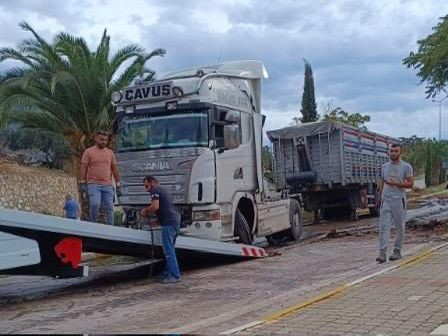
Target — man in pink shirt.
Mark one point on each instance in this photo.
(98, 164)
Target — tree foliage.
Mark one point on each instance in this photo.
(308, 110)
(64, 87)
(410, 153)
(266, 159)
(425, 155)
(431, 153)
(53, 145)
(431, 59)
(354, 119)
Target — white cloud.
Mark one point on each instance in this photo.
(355, 46)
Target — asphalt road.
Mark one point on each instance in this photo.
(214, 295)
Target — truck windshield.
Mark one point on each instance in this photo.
(177, 130)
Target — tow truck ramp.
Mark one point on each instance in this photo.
(61, 242)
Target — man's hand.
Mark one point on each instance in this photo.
(378, 203)
(118, 190)
(82, 187)
(144, 212)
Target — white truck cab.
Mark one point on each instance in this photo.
(199, 132)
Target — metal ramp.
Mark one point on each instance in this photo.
(62, 240)
(17, 252)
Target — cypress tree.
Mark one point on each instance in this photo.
(308, 110)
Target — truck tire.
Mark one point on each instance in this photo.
(374, 212)
(242, 229)
(353, 215)
(296, 223)
(295, 220)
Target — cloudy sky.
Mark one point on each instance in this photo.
(355, 47)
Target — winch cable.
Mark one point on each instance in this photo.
(153, 251)
(151, 267)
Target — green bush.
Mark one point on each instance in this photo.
(43, 140)
(118, 218)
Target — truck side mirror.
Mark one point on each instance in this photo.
(231, 136)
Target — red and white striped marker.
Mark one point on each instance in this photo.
(251, 251)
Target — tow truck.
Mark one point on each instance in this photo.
(199, 132)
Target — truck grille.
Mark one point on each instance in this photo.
(132, 179)
(160, 153)
(140, 190)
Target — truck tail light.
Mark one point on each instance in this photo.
(206, 215)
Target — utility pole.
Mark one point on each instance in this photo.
(440, 115)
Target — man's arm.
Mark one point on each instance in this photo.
(84, 167)
(154, 207)
(406, 184)
(116, 174)
(114, 169)
(379, 193)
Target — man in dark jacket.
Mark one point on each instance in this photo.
(163, 206)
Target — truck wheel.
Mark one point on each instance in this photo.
(353, 215)
(295, 220)
(374, 212)
(242, 229)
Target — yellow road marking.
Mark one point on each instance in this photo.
(297, 307)
(408, 262)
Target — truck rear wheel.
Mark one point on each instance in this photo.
(242, 229)
(374, 212)
(295, 221)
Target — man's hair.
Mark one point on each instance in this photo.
(150, 179)
(395, 145)
(103, 132)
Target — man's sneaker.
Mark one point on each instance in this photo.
(170, 280)
(162, 276)
(396, 255)
(381, 258)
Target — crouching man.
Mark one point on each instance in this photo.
(163, 206)
(396, 177)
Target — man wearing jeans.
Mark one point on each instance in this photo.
(396, 177)
(162, 205)
(98, 164)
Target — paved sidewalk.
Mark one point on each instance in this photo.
(409, 300)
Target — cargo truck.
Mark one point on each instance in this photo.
(334, 167)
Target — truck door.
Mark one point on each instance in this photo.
(234, 156)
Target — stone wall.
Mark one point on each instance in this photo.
(35, 189)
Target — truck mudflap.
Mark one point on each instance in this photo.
(61, 242)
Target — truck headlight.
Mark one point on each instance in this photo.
(186, 164)
(116, 97)
(177, 91)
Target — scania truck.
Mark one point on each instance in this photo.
(199, 132)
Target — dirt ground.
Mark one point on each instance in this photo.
(212, 297)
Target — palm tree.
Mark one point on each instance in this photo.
(65, 87)
(430, 153)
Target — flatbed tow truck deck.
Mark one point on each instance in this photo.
(61, 242)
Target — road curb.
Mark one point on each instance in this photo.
(410, 261)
